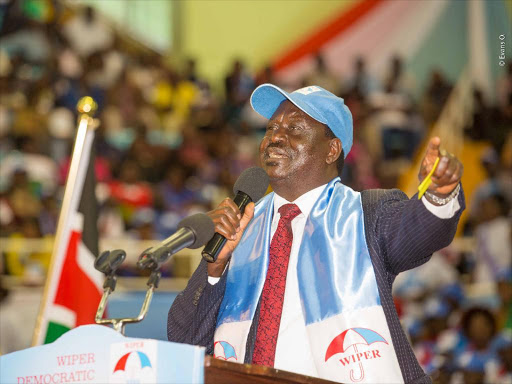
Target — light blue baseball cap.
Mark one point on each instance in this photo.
(321, 105)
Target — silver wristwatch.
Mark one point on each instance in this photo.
(444, 201)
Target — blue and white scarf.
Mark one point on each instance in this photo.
(347, 330)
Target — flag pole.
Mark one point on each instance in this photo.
(86, 108)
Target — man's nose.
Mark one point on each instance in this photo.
(278, 134)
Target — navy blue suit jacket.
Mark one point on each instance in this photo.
(401, 234)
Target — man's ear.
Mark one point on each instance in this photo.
(335, 150)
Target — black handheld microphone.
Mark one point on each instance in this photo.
(193, 232)
(250, 187)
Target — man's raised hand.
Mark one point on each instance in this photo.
(448, 172)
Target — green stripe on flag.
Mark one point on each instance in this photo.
(55, 330)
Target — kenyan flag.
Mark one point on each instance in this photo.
(73, 287)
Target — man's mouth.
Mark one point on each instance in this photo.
(273, 153)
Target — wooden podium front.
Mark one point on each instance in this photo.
(224, 372)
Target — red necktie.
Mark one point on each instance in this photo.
(272, 296)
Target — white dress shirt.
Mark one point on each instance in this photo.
(292, 351)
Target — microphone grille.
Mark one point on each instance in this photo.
(253, 182)
(201, 225)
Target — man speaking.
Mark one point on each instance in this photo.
(304, 281)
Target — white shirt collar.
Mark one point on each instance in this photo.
(304, 202)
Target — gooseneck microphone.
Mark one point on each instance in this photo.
(250, 187)
(193, 232)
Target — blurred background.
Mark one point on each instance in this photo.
(172, 80)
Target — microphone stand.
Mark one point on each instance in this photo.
(107, 263)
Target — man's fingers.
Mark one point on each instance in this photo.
(453, 173)
(224, 226)
(446, 168)
(226, 218)
(448, 171)
(248, 215)
(457, 175)
(442, 166)
(226, 233)
(433, 147)
(447, 175)
(232, 215)
(431, 155)
(231, 210)
(227, 202)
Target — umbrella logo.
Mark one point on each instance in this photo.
(224, 350)
(350, 338)
(143, 358)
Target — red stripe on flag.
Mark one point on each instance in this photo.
(76, 291)
(314, 42)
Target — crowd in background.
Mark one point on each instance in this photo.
(168, 146)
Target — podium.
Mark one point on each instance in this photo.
(98, 354)
(225, 372)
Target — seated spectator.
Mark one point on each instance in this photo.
(61, 129)
(190, 72)
(127, 93)
(48, 216)
(361, 83)
(435, 96)
(39, 168)
(453, 295)
(499, 371)
(358, 171)
(470, 368)
(395, 121)
(150, 158)
(265, 76)
(87, 33)
(110, 220)
(30, 43)
(69, 65)
(142, 222)
(478, 327)
(322, 76)
(170, 92)
(23, 196)
(434, 322)
(115, 130)
(238, 85)
(31, 266)
(402, 81)
(193, 151)
(494, 250)
(175, 193)
(108, 66)
(479, 129)
(130, 191)
(504, 288)
(498, 182)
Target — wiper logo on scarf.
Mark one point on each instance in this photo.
(223, 350)
(348, 340)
